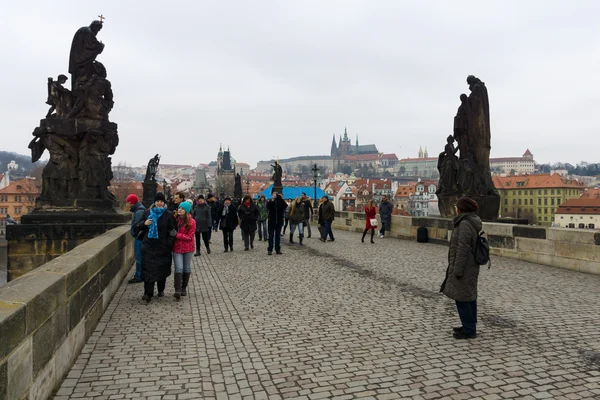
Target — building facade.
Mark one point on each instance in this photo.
(423, 202)
(422, 167)
(582, 213)
(18, 199)
(225, 180)
(535, 197)
(513, 165)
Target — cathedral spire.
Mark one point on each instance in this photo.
(420, 151)
(333, 147)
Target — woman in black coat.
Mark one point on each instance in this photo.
(203, 216)
(228, 221)
(157, 225)
(248, 213)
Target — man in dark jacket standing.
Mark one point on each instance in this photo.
(308, 212)
(203, 217)
(327, 215)
(276, 207)
(137, 209)
(463, 271)
(213, 203)
(385, 212)
(228, 221)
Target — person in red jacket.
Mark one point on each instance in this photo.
(183, 248)
(370, 215)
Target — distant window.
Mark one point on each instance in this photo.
(591, 226)
(545, 191)
(552, 201)
(581, 226)
(545, 218)
(545, 211)
(552, 191)
(519, 201)
(17, 210)
(505, 201)
(539, 202)
(571, 225)
(558, 191)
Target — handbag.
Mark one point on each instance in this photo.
(373, 222)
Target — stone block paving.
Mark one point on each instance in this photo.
(345, 320)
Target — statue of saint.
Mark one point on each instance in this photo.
(461, 126)
(448, 167)
(478, 121)
(277, 174)
(84, 49)
(152, 168)
(59, 98)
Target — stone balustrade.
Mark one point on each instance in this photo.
(577, 250)
(47, 315)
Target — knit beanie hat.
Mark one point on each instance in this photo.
(186, 206)
(160, 196)
(200, 197)
(466, 205)
(132, 199)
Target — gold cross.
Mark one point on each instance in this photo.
(102, 18)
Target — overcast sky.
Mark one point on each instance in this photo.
(278, 78)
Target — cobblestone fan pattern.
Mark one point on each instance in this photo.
(345, 320)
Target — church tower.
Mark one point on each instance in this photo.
(220, 158)
(334, 149)
(426, 154)
(420, 151)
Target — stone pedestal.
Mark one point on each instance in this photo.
(488, 206)
(446, 203)
(47, 233)
(150, 190)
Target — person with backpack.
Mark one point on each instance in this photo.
(463, 267)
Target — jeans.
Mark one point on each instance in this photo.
(300, 229)
(205, 239)
(306, 223)
(248, 238)
(274, 236)
(262, 230)
(384, 227)
(467, 311)
(285, 224)
(228, 239)
(215, 226)
(327, 230)
(182, 262)
(149, 287)
(137, 250)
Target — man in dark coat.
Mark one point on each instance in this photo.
(228, 221)
(203, 216)
(385, 212)
(463, 271)
(157, 245)
(249, 214)
(327, 215)
(276, 207)
(137, 210)
(308, 212)
(177, 199)
(213, 203)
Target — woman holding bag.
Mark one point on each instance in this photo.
(371, 217)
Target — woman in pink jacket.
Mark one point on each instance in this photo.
(183, 249)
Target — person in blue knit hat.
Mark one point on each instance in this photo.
(183, 249)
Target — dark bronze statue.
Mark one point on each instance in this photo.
(277, 174)
(237, 187)
(448, 168)
(470, 175)
(152, 168)
(84, 50)
(76, 131)
(59, 98)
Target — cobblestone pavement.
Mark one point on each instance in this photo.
(345, 320)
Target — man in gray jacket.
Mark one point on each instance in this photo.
(385, 212)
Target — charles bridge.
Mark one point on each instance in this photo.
(338, 320)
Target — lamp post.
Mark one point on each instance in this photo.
(315, 171)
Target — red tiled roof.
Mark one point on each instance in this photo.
(363, 157)
(405, 191)
(591, 193)
(534, 182)
(26, 185)
(420, 159)
(580, 206)
(391, 156)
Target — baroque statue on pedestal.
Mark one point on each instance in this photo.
(76, 130)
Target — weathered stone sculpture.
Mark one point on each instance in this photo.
(473, 177)
(152, 168)
(150, 187)
(277, 175)
(78, 136)
(237, 187)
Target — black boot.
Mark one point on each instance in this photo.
(184, 283)
(363, 236)
(300, 237)
(291, 238)
(178, 280)
(372, 234)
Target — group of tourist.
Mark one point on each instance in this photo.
(171, 235)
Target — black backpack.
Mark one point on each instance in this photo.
(482, 249)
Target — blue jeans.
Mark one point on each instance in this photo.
(137, 251)
(467, 311)
(327, 230)
(300, 229)
(274, 236)
(262, 230)
(182, 262)
(384, 227)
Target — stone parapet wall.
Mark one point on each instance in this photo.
(47, 315)
(577, 250)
